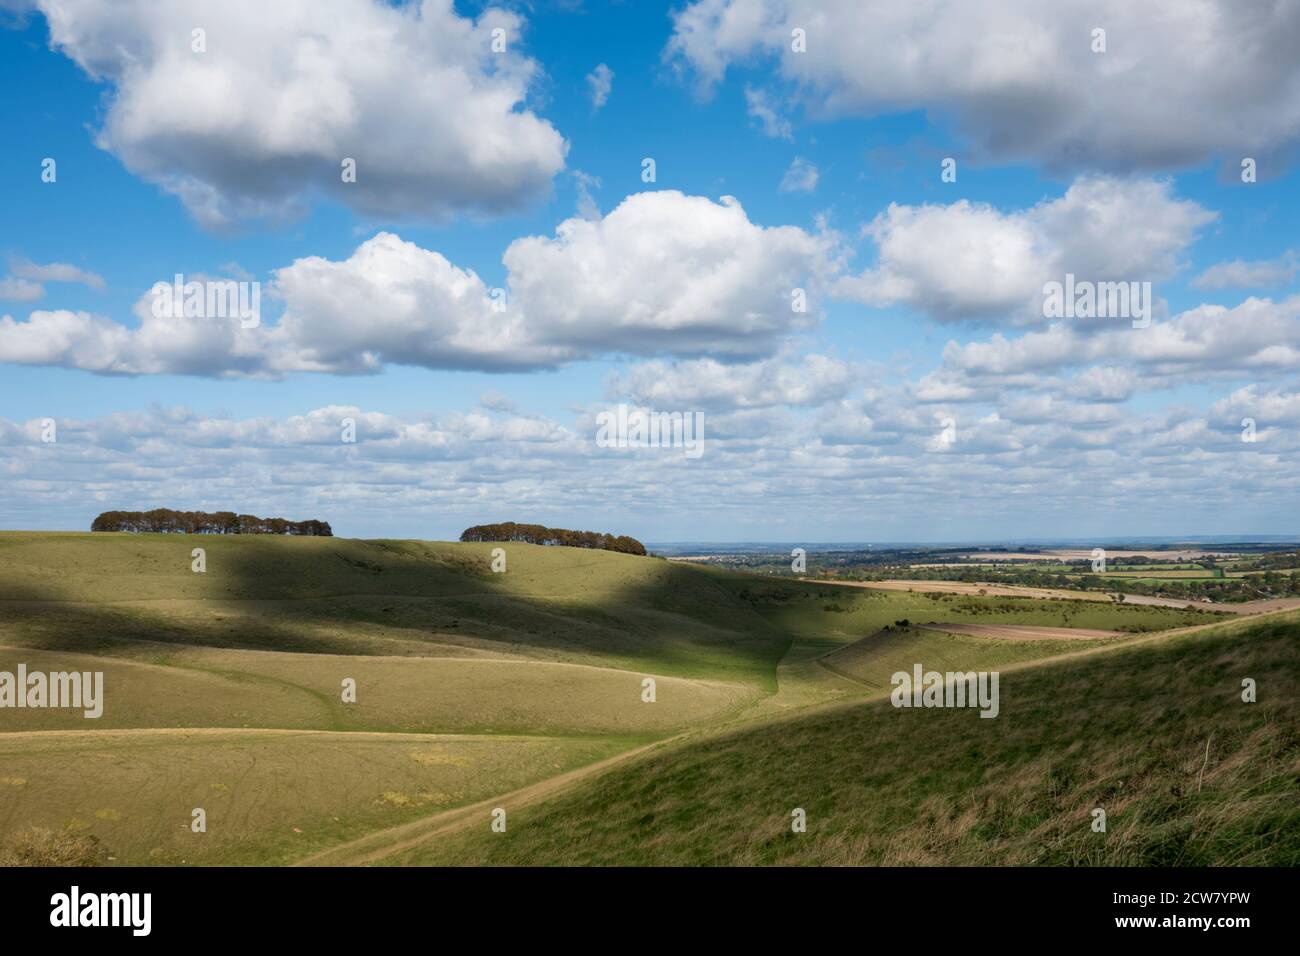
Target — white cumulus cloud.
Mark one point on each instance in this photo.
(662, 274)
(970, 261)
(282, 93)
(1020, 77)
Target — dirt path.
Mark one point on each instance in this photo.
(412, 736)
(1017, 632)
(1266, 606)
(376, 846)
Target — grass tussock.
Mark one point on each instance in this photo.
(42, 846)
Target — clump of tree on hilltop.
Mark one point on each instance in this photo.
(165, 520)
(537, 534)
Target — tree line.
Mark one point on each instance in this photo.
(537, 534)
(165, 520)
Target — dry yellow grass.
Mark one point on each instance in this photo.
(209, 687)
(270, 796)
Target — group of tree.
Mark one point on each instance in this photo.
(165, 520)
(537, 534)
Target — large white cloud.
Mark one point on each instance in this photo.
(392, 301)
(661, 274)
(1020, 76)
(1258, 337)
(285, 91)
(158, 345)
(970, 261)
(665, 272)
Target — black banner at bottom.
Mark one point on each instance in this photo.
(335, 906)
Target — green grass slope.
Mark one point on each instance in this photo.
(109, 593)
(1154, 732)
(839, 614)
(122, 594)
(212, 679)
(536, 671)
(873, 660)
(214, 687)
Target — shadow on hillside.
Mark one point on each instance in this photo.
(665, 617)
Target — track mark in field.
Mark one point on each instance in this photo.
(374, 847)
(266, 731)
(1266, 606)
(836, 672)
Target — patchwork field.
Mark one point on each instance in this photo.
(570, 671)
(1084, 554)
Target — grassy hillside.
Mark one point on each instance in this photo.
(1155, 733)
(208, 687)
(873, 660)
(535, 671)
(838, 614)
(121, 594)
(108, 592)
(225, 686)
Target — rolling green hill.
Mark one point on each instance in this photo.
(112, 592)
(1154, 733)
(121, 594)
(223, 690)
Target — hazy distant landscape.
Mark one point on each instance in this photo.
(1230, 573)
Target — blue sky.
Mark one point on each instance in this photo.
(925, 295)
